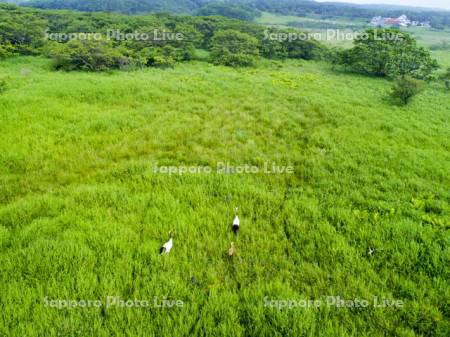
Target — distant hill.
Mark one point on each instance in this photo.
(246, 9)
(337, 9)
(125, 6)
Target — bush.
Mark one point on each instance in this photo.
(233, 48)
(155, 52)
(406, 88)
(7, 50)
(88, 55)
(288, 43)
(21, 33)
(389, 52)
(164, 56)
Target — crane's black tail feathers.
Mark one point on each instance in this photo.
(162, 250)
(235, 229)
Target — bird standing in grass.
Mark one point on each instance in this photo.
(232, 250)
(236, 223)
(167, 247)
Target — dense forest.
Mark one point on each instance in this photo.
(125, 6)
(26, 31)
(245, 9)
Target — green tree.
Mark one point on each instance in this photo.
(21, 33)
(163, 57)
(7, 50)
(306, 49)
(406, 88)
(290, 43)
(233, 48)
(164, 45)
(389, 52)
(88, 55)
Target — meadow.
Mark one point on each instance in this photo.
(83, 211)
(309, 21)
(427, 37)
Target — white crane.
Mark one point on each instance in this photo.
(167, 247)
(236, 223)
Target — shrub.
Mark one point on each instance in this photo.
(233, 48)
(289, 43)
(88, 55)
(406, 88)
(389, 52)
(21, 33)
(163, 56)
(271, 47)
(7, 50)
(155, 51)
(305, 49)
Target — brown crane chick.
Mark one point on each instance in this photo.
(232, 250)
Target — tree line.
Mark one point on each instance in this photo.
(245, 9)
(25, 31)
(103, 41)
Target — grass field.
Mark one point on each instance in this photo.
(430, 37)
(280, 20)
(315, 25)
(426, 37)
(83, 212)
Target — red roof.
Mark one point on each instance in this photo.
(392, 21)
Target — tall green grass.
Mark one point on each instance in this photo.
(83, 213)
